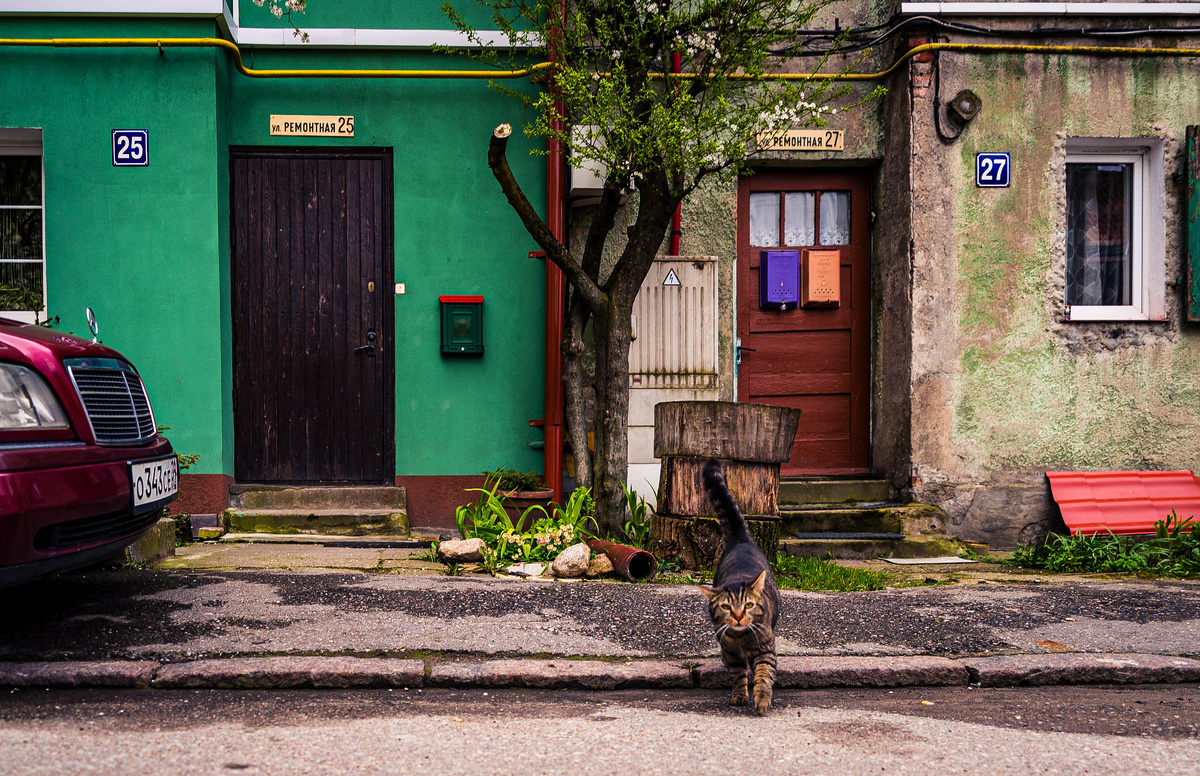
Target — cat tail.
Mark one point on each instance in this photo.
(733, 525)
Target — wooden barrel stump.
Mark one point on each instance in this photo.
(751, 440)
(696, 540)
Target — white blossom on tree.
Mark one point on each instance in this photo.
(285, 9)
(613, 100)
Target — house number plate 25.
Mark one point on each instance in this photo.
(130, 148)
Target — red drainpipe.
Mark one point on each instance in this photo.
(556, 296)
(676, 220)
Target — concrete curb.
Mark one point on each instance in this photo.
(562, 674)
(277, 673)
(295, 672)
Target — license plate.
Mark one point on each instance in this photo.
(153, 483)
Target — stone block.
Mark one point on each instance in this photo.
(1007, 515)
(850, 671)
(561, 674)
(290, 672)
(155, 545)
(108, 673)
(1081, 668)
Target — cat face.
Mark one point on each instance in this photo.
(737, 610)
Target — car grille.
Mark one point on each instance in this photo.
(115, 401)
(90, 530)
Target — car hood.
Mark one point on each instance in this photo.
(33, 344)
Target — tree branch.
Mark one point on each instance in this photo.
(656, 205)
(541, 234)
(602, 223)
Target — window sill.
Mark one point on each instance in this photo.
(1083, 313)
(24, 317)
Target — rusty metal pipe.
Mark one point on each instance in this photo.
(630, 562)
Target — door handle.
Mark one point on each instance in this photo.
(370, 346)
(737, 356)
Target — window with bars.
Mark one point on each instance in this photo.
(22, 255)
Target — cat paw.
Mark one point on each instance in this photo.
(762, 704)
(738, 700)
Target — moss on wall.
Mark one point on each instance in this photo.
(1031, 390)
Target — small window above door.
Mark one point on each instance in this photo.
(803, 218)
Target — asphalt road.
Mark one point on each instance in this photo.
(179, 615)
(1098, 730)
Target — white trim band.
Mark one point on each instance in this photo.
(227, 18)
(149, 7)
(1049, 9)
(331, 36)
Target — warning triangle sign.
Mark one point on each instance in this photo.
(672, 279)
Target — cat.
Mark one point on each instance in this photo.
(742, 600)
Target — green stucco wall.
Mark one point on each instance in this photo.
(148, 248)
(454, 234)
(138, 245)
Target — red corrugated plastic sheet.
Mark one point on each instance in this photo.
(1123, 502)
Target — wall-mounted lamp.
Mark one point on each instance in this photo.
(965, 106)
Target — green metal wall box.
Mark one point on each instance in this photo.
(462, 325)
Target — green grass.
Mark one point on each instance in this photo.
(791, 574)
(1173, 552)
(818, 574)
(430, 553)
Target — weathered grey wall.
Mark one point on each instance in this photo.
(1004, 387)
(892, 287)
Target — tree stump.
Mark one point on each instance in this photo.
(751, 440)
(696, 541)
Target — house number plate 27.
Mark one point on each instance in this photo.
(992, 169)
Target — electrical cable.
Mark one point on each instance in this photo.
(859, 39)
(937, 104)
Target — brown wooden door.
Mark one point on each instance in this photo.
(312, 315)
(814, 359)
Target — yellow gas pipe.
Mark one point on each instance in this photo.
(232, 48)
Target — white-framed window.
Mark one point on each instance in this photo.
(22, 225)
(1114, 230)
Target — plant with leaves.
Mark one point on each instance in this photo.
(1173, 551)
(513, 480)
(637, 528)
(614, 103)
(487, 518)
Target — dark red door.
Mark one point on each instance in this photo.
(814, 359)
(312, 312)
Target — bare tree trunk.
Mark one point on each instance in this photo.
(612, 417)
(574, 381)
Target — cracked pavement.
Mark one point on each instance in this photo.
(185, 614)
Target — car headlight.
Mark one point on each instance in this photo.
(26, 401)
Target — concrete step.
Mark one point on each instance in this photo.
(885, 518)
(351, 497)
(365, 541)
(867, 549)
(336, 522)
(809, 491)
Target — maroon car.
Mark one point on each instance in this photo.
(83, 471)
